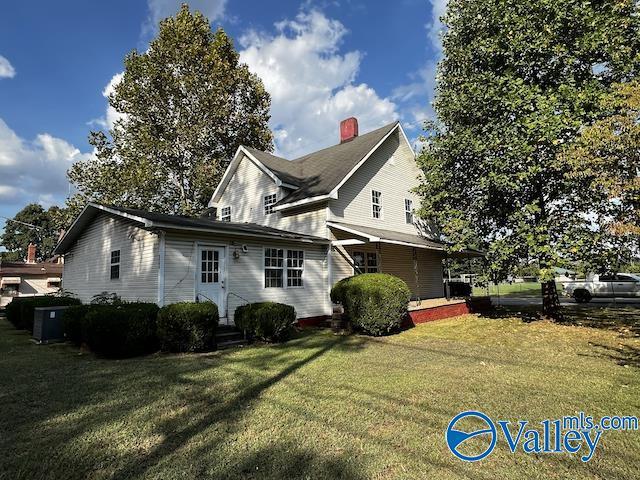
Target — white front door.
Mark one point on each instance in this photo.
(210, 277)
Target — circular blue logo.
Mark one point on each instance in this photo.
(456, 438)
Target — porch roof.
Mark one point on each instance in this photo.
(371, 234)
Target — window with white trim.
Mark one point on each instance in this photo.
(295, 267)
(273, 267)
(115, 265)
(278, 274)
(376, 204)
(365, 263)
(269, 202)
(408, 210)
(225, 214)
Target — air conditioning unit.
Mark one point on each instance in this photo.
(47, 324)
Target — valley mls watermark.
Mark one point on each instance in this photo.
(577, 434)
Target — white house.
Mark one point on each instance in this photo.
(284, 230)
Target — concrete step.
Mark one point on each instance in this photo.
(231, 343)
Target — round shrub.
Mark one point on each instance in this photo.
(375, 303)
(73, 323)
(119, 331)
(187, 326)
(268, 321)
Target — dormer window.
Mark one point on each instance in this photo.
(269, 202)
(408, 210)
(225, 214)
(376, 204)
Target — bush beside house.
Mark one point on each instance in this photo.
(375, 303)
(21, 309)
(73, 323)
(119, 331)
(187, 326)
(268, 321)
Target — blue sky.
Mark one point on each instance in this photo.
(321, 61)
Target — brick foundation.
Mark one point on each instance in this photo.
(318, 321)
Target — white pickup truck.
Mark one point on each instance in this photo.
(618, 285)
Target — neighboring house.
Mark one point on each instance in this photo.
(30, 278)
(283, 230)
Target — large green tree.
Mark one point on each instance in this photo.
(187, 103)
(32, 224)
(604, 164)
(517, 83)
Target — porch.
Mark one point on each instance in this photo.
(414, 258)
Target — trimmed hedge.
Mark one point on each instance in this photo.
(21, 309)
(187, 326)
(118, 331)
(73, 323)
(375, 303)
(269, 321)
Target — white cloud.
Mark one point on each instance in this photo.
(34, 170)
(161, 9)
(111, 114)
(311, 83)
(434, 27)
(417, 96)
(6, 69)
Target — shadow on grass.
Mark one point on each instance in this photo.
(622, 319)
(623, 354)
(187, 408)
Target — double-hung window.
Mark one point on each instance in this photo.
(115, 265)
(295, 267)
(225, 214)
(269, 202)
(408, 210)
(273, 267)
(376, 204)
(278, 274)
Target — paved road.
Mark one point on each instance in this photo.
(595, 302)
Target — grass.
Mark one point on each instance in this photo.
(319, 406)
(524, 289)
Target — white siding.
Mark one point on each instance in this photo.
(88, 263)
(245, 275)
(392, 170)
(245, 195)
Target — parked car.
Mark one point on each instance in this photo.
(618, 285)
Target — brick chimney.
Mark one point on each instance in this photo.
(348, 129)
(31, 253)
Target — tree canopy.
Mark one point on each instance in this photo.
(518, 82)
(32, 224)
(185, 106)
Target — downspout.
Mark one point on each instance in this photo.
(329, 278)
(161, 256)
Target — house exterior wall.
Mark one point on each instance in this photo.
(244, 280)
(245, 195)
(88, 263)
(396, 260)
(391, 170)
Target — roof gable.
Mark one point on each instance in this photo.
(317, 175)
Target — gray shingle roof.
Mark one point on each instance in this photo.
(403, 237)
(318, 173)
(164, 221)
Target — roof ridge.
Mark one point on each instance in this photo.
(355, 139)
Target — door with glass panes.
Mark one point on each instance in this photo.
(210, 276)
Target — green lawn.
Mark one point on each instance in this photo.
(319, 406)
